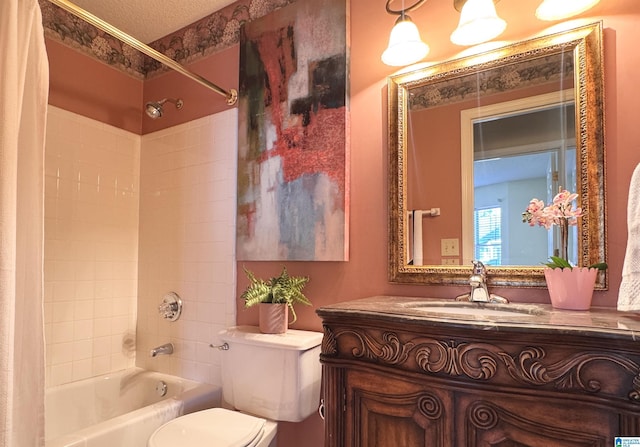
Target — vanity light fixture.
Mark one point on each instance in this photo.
(479, 22)
(405, 45)
(561, 9)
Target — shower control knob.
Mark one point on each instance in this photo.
(171, 306)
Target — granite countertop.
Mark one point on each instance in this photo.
(540, 318)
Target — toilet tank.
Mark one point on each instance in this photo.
(276, 376)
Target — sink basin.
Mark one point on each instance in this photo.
(472, 310)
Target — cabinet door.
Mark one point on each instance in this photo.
(386, 411)
(495, 420)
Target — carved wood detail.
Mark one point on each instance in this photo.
(482, 361)
(411, 417)
(391, 381)
(629, 425)
(329, 344)
(430, 406)
(492, 425)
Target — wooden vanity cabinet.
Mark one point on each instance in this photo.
(401, 381)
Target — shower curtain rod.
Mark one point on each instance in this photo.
(231, 95)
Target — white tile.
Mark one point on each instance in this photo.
(48, 312)
(102, 327)
(103, 289)
(82, 369)
(119, 325)
(101, 365)
(61, 353)
(186, 350)
(116, 344)
(82, 329)
(101, 346)
(204, 353)
(83, 310)
(62, 332)
(82, 349)
(188, 175)
(63, 290)
(202, 372)
(84, 290)
(205, 332)
(62, 373)
(85, 271)
(63, 311)
(103, 308)
(205, 312)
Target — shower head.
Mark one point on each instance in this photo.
(154, 109)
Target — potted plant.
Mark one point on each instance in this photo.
(276, 298)
(570, 287)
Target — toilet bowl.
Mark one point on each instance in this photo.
(265, 378)
(216, 427)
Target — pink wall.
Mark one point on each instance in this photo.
(90, 88)
(366, 272)
(199, 101)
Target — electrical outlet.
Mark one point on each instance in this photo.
(450, 247)
(450, 261)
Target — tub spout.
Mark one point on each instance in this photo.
(165, 349)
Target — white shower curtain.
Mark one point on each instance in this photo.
(24, 80)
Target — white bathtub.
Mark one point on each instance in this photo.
(120, 409)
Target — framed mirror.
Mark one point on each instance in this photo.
(473, 140)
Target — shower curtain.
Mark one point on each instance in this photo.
(24, 80)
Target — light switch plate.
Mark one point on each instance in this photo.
(450, 247)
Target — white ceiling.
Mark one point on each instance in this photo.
(149, 20)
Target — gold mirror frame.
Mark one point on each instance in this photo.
(586, 44)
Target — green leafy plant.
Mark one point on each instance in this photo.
(558, 262)
(282, 289)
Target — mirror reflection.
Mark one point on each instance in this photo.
(473, 140)
(516, 157)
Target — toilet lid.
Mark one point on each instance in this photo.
(215, 427)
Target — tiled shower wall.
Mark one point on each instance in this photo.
(91, 247)
(187, 242)
(122, 230)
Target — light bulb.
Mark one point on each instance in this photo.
(561, 9)
(479, 23)
(405, 45)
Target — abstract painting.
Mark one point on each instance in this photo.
(293, 134)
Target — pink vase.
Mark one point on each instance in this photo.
(273, 318)
(571, 289)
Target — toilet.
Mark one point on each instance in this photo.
(266, 378)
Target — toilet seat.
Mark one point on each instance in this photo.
(215, 427)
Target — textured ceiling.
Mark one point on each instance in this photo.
(149, 20)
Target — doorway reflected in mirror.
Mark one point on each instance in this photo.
(521, 149)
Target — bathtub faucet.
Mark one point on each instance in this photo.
(165, 349)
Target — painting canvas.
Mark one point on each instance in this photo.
(293, 134)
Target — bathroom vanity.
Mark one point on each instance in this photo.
(401, 371)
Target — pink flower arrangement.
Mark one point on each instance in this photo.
(560, 212)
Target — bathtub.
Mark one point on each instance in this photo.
(120, 409)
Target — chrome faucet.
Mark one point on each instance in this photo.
(165, 349)
(479, 291)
